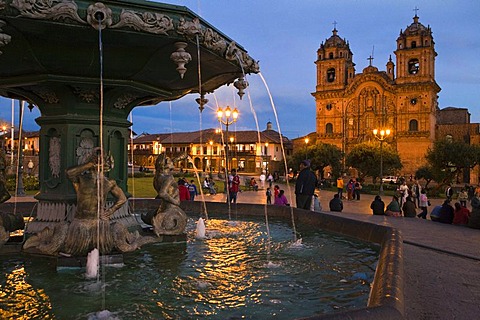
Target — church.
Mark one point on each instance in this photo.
(403, 98)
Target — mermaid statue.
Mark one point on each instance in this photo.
(169, 218)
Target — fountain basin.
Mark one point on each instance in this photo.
(385, 300)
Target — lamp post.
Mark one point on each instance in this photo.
(227, 118)
(306, 147)
(211, 154)
(381, 136)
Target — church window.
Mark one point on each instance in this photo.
(413, 66)
(330, 55)
(331, 75)
(329, 106)
(426, 42)
(413, 125)
(341, 54)
(329, 128)
(400, 46)
(414, 44)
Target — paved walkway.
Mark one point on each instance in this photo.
(442, 262)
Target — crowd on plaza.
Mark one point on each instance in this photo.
(410, 201)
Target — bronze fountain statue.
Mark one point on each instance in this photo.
(169, 218)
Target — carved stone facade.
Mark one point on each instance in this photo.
(350, 105)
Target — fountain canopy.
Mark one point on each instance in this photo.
(50, 53)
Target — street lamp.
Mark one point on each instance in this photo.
(227, 118)
(381, 136)
(306, 145)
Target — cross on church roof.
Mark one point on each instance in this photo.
(370, 58)
(416, 10)
(334, 25)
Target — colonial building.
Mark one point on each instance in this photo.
(403, 98)
(248, 151)
(454, 124)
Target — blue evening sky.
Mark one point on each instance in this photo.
(285, 35)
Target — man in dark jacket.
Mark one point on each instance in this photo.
(305, 186)
(378, 206)
(336, 203)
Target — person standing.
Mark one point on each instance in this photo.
(416, 192)
(268, 193)
(356, 190)
(305, 186)
(403, 190)
(192, 189)
(378, 206)
(423, 204)
(234, 186)
(350, 189)
(262, 180)
(270, 180)
(449, 192)
(340, 186)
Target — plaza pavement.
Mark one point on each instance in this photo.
(441, 262)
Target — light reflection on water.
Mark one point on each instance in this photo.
(227, 275)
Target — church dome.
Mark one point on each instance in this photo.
(416, 28)
(335, 41)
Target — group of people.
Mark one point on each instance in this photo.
(408, 204)
(353, 188)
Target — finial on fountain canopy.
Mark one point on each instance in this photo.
(241, 84)
(201, 102)
(181, 57)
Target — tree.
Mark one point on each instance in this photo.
(449, 159)
(321, 156)
(425, 172)
(365, 157)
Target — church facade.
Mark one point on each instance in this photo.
(403, 98)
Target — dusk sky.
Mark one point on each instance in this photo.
(284, 36)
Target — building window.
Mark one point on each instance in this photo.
(426, 42)
(329, 106)
(331, 75)
(414, 44)
(413, 66)
(341, 54)
(330, 55)
(413, 125)
(329, 128)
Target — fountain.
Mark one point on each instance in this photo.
(50, 58)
